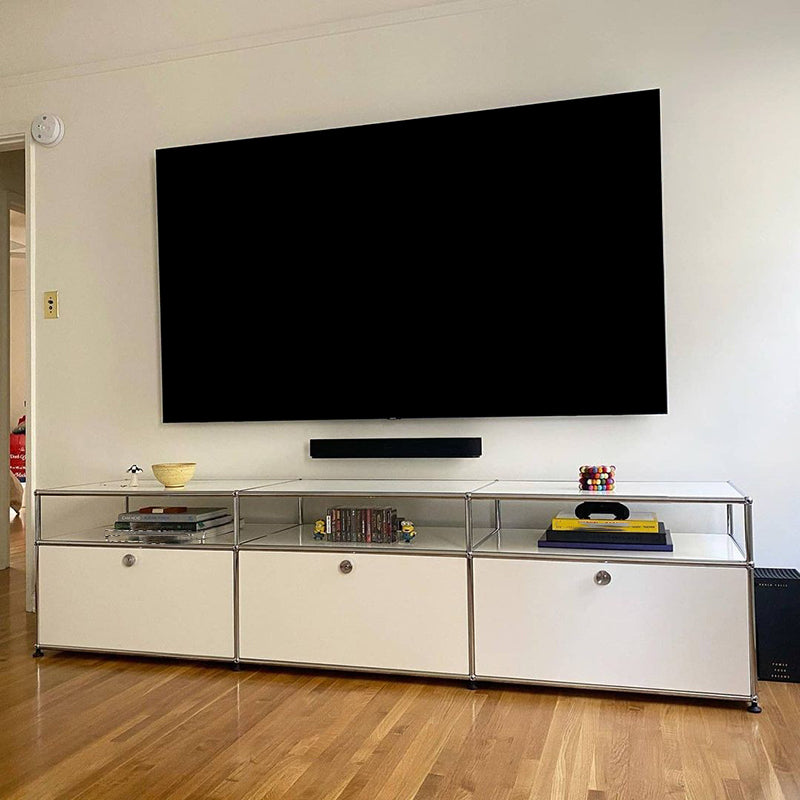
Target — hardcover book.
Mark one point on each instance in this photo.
(665, 546)
(165, 522)
(601, 535)
(154, 514)
(564, 521)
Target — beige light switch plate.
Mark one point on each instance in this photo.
(51, 305)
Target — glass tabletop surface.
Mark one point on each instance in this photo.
(369, 487)
(687, 491)
(151, 488)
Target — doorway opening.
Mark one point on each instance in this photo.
(14, 349)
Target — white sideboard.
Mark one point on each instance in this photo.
(471, 596)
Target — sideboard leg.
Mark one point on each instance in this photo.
(472, 684)
(38, 652)
(753, 707)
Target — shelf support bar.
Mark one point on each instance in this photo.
(748, 529)
(470, 589)
(37, 535)
(235, 555)
(751, 610)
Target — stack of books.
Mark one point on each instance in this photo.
(170, 524)
(368, 525)
(642, 531)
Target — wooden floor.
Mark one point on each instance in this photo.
(81, 726)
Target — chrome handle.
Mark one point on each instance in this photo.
(128, 560)
(602, 578)
(346, 567)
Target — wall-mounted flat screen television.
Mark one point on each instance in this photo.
(505, 262)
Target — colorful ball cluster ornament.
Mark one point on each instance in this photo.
(597, 478)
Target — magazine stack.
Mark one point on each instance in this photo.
(170, 525)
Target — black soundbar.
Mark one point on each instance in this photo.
(441, 447)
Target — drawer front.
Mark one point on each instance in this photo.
(673, 628)
(388, 612)
(175, 602)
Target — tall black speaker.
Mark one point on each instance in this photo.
(777, 611)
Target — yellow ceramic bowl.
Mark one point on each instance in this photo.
(174, 476)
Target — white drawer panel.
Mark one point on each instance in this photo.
(391, 612)
(177, 602)
(659, 627)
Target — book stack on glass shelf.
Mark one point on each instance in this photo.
(170, 525)
(642, 531)
(348, 524)
(364, 525)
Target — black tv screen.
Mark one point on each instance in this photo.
(505, 262)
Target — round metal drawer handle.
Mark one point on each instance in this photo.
(602, 578)
(346, 567)
(128, 560)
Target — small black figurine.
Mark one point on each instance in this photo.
(134, 469)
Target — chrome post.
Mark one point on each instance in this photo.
(470, 591)
(751, 610)
(497, 517)
(748, 529)
(37, 518)
(468, 522)
(235, 558)
(37, 535)
(300, 510)
(236, 512)
(730, 519)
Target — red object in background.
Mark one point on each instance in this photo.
(17, 455)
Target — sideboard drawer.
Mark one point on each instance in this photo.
(645, 626)
(406, 613)
(141, 600)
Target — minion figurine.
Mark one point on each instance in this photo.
(407, 531)
(319, 529)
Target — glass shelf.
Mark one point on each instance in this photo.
(625, 491)
(97, 536)
(148, 488)
(717, 548)
(437, 508)
(301, 537)
(313, 487)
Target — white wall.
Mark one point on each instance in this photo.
(729, 74)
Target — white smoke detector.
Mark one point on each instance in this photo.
(47, 129)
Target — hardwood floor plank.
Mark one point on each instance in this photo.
(422, 737)
(80, 726)
(273, 752)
